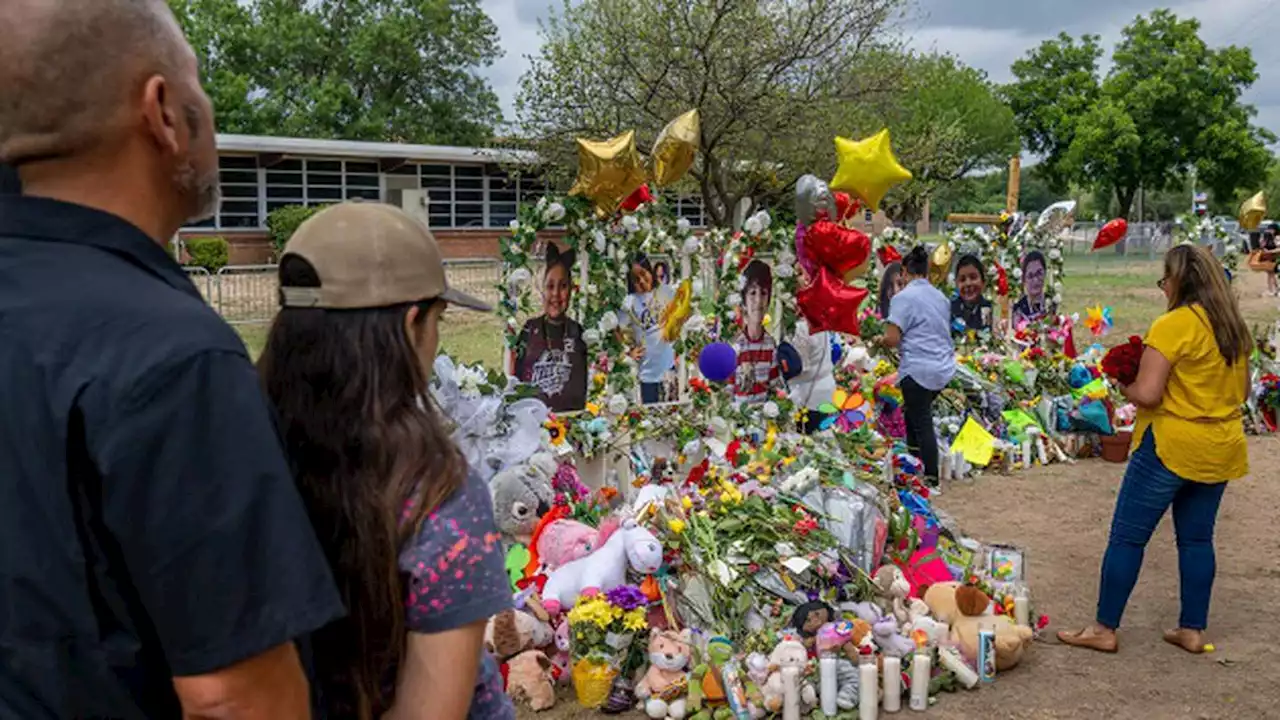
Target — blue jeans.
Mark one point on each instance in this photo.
(1149, 488)
(650, 393)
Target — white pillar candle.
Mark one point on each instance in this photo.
(944, 472)
(790, 693)
(921, 671)
(829, 685)
(1022, 608)
(1026, 450)
(868, 689)
(892, 684)
(952, 661)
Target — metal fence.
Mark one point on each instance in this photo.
(248, 294)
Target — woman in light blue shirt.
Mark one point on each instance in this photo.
(919, 325)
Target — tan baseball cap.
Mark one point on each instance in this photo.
(370, 255)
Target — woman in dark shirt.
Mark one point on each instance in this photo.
(551, 354)
(408, 530)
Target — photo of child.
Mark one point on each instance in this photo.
(970, 307)
(640, 328)
(662, 272)
(1032, 307)
(551, 354)
(757, 371)
(891, 282)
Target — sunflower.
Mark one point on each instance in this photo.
(557, 430)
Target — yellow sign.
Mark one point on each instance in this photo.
(974, 443)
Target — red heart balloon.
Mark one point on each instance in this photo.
(889, 254)
(845, 206)
(828, 304)
(839, 248)
(1111, 233)
(640, 197)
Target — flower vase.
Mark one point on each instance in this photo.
(592, 682)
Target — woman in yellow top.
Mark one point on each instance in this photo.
(1187, 442)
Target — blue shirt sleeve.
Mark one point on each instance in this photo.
(456, 564)
(900, 311)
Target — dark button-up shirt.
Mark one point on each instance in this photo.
(149, 526)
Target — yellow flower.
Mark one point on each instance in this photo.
(634, 620)
(675, 525)
(556, 429)
(687, 502)
(725, 497)
(600, 378)
(593, 408)
(596, 611)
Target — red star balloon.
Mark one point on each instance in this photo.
(839, 248)
(828, 304)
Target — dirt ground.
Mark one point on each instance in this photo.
(1060, 514)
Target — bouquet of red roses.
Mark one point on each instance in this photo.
(1121, 362)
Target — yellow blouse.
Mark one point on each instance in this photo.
(1198, 429)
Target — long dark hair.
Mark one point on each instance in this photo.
(891, 272)
(1197, 278)
(356, 416)
(641, 260)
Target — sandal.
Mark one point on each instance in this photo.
(1190, 640)
(1088, 639)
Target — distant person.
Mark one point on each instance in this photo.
(159, 561)
(891, 283)
(1033, 307)
(551, 354)
(970, 310)
(919, 324)
(757, 372)
(1188, 442)
(1270, 248)
(408, 530)
(640, 328)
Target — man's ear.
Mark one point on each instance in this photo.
(160, 113)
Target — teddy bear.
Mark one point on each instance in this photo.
(789, 653)
(665, 683)
(521, 495)
(893, 588)
(530, 679)
(973, 612)
(513, 632)
(889, 640)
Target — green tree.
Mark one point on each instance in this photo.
(1169, 104)
(947, 122)
(773, 83)
(392, 70)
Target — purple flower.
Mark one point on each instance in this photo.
(627, 597)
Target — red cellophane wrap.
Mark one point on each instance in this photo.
(1121, 362)
(839, 248)
(828, 304)
(641, 196)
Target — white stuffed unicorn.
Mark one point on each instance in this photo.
(604, 569)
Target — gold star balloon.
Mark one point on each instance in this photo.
(676, 147)
(867, 168)
(1253, 211)
(608, 170)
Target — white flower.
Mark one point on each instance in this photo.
(630, 223)
(696, 324)
(691, 447)
(1017, 273)
(742, 282)
(519, 277)
(617, 404)
(1055, 254)
(608, 321)
(598, 239)
(514, 226)
(771, 410)
(696, 286)
(1057, 298)
(682, 226)
(785, 270)
(691, 244)
(953, 428)
(734, 300)
(591, 336)
(542, 203)
(553, 213)
(582, 223)
(758, 223)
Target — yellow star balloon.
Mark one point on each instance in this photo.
(677, 312)
(608, 170)
(867, 168)
(676, 147)
(1253, 211)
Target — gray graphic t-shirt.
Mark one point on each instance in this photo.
(553, 358)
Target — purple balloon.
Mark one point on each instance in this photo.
(717, 362)
(810, 268)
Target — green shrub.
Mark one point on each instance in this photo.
(283, 222)
(210, 253)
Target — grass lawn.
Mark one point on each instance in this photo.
(1127, 285)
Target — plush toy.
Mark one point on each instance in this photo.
(867, 612)
(843, 638)
(604, 569)
(530, 679)
(808, 618)
(974, 611)
(757, 665)
(889, 640)
(666, 682)
(561, 659)
(511, 632)
(927, 632)
(941, 599)
(893, 588)
(521, 495)
(709, 690)
(562, 541)
(789, 653)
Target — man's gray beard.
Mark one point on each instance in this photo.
(205, 192)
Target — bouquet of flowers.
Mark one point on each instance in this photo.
(1121, 362)
(602, 629)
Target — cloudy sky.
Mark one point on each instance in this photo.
(989, 34)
